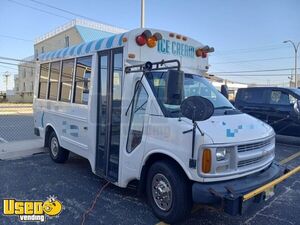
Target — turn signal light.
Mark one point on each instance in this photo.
(206, 160)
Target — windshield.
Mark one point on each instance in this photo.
(296, 91)
(194, 85)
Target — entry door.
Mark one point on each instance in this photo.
(109, 113)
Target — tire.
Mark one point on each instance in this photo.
(57, 153)
(165, 179)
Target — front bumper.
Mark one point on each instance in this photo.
(229, 193)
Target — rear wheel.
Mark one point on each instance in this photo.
(168, 192)
(57, 153)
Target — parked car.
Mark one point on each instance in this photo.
(279, 107)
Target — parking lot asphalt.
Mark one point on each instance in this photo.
(73, 183)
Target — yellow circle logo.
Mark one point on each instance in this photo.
(52, 207)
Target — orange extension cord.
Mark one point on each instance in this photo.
(94, 202)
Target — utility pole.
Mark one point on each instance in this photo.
(296, 47)
(6, 75)
(142, 13)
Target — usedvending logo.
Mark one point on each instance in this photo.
(32, 210)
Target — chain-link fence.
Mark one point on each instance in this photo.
(16, 122)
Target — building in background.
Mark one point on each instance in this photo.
(72, 33)
(24, 81)
(75, 32)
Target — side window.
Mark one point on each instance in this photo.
(292, 99)
(137, 118)
(252, 96)
(82, 80)
(279, 98)
(53, 80)
(66, 80)
(44, 68)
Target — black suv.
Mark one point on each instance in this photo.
(279, 107)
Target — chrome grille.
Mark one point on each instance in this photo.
(254, 146)
(251, 161)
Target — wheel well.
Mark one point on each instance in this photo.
(152, 159)
(49, 130)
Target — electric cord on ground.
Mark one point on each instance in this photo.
(88, 211)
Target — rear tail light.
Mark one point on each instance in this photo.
(147, 38)
(202, 52)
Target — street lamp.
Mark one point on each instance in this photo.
(6, 75)
(296, 54)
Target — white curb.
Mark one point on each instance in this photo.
(20, 149)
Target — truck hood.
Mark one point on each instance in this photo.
(235, 128)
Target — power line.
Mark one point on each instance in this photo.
(60, 9)
(8, 67)
(14, 64)
(245, 50)
(38, 9)
(251, 75)
(65, 11)
(16, 38)
(253, 71)
(18, 60)
(253, 60)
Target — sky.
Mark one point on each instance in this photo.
(247, 34)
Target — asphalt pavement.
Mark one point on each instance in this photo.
(73, 183)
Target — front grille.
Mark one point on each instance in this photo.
(254, 146)
(251, 161)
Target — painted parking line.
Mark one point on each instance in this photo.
(290, 158)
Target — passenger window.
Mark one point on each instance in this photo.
(53, 81)
(253, 96)
(137, 118)
(43, 80)
(66, 80)
(279, 98)
(82, 80)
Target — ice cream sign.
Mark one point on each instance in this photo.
(175, 48)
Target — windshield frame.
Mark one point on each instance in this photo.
(176, 114)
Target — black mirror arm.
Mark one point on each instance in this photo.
(134, 93)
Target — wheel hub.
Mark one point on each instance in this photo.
(162, 192)
(54, 146)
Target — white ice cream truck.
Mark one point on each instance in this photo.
(138, 107)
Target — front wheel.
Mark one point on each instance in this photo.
(168, 192)
(57, 153)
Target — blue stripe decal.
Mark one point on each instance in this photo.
(65, 52)
(110, 41)
(72, 50)
(120, 39)
(47, 55)
(98, 44)
(42, 120)
(88, 47)
(79, 49)
(58, 55)
(52, 55)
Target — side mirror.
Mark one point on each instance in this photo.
(224, 90)
(174, 87)
(197, 108)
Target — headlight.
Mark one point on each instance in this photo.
(221, 154)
